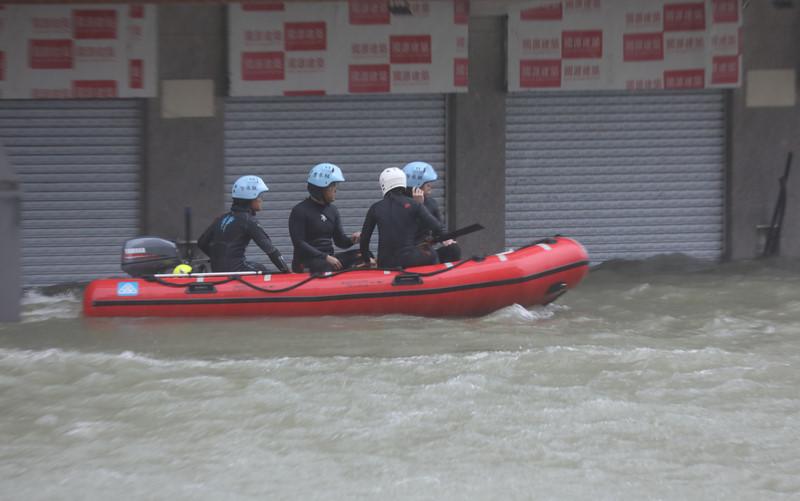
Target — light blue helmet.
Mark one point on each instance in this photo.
(248, 187)
(324, 174)
(419, 173)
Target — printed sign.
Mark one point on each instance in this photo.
(537, 74)
(460, 72)
(624, 44)
(551, 11)
(94, 24)
(461, 11)
(725, 11)
(262, 66)
(305, 36)
(127, 289)
(725, 70)
(136, 11)
(643, 47)
(348, 47)
(99, 89)
(136, 73)
(684, 79)
(368, 78)
(263, 6)
(369, 12)
(685, 17)
(63, 51)
(50, 54)
(582, 44)
(409, 49)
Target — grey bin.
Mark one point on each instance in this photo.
(10, 269)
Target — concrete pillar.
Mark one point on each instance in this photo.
(10, 261)
(761, 136)
(477, 141)
(184, 145)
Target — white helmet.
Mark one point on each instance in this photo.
(248, 187)
(392, 178)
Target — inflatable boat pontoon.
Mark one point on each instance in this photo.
(535, 274)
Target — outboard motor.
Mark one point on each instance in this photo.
(149, 256)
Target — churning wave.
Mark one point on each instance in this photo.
(39, 306)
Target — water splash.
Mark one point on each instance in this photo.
(517, 314)
(37, 306)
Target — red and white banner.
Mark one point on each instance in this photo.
(91, 51)
(624, 44)
(348, 47)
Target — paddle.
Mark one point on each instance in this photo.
(772, 244)
(466, 230)
(187, 226)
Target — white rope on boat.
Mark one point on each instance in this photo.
(217, 274)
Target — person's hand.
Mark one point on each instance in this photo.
(370, 263)
(418, 195)
(356, 237)
(335, 263)
(448, 242)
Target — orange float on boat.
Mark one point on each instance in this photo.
(535, 274)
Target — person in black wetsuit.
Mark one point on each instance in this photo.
(399, 219)
(420, 177)
(315, 226)
(227, 238)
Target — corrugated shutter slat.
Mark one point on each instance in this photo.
(78, 162)
(630, 175)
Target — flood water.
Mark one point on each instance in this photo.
(664, 379)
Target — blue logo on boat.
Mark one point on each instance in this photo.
(127, 289)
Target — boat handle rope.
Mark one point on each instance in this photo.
(337, 273)
(477, 259)
(237, 278)
(161, 281)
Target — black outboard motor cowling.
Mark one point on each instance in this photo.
(148, 256)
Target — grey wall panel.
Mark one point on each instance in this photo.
(79, 163)
(280, 139)
(629, 175)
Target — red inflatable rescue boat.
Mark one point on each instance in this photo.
(535, 274)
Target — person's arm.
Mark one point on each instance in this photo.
(433, 207)
(339, 238)
(277, 259)
(204, 242)
(427, 220)
(366, 234)
(297, 232)
(263, 241)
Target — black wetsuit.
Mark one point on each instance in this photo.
(399, 219)
(314, 229)
(446, 253)
(227, 238)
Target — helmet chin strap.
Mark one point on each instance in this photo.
(316, 193)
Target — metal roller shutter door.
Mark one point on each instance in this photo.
(78, 163)
(629, 175)
(280, 139)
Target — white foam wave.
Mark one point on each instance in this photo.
(56, 356)
(519, 314)
(35, 297)
(39, 307)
